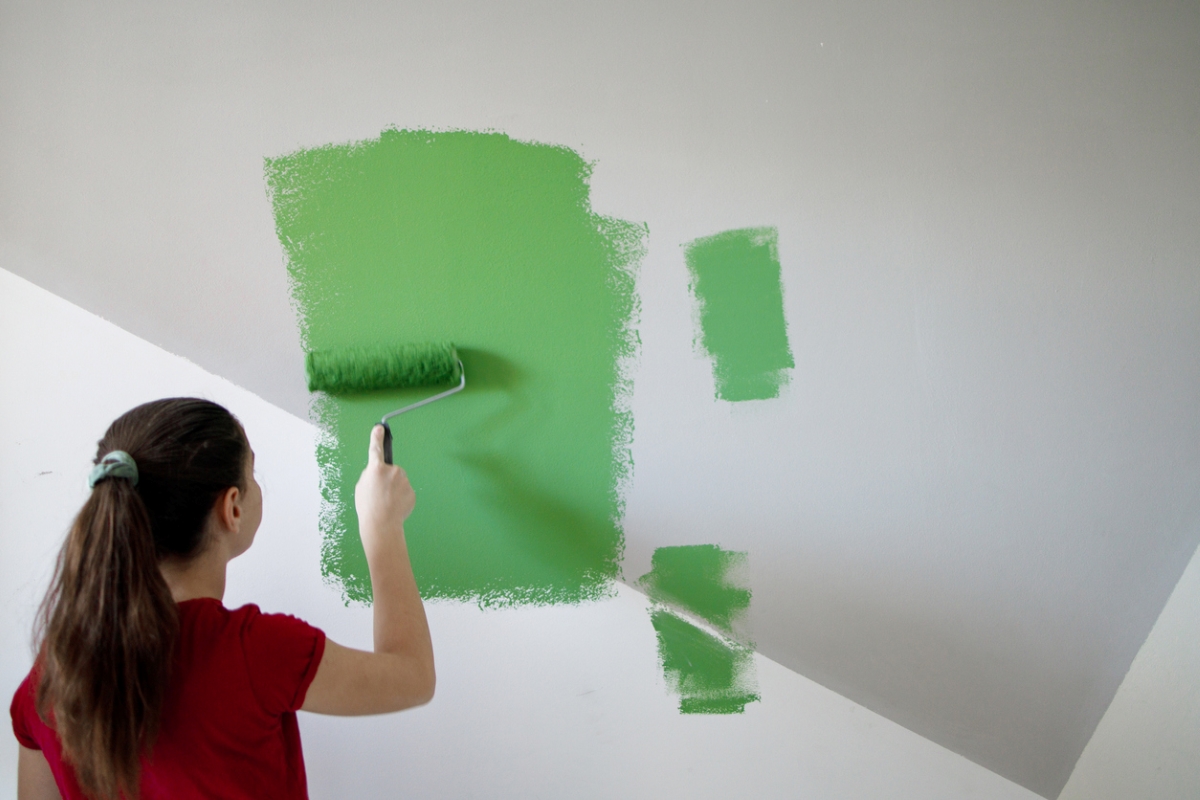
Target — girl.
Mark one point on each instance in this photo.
(145, 685)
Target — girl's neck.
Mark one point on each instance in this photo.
(202, 576)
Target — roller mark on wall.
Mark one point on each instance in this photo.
(711, 672)
(700, 579)
(490, 243)
(710, 675)
(735, 278)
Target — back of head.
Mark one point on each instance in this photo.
(108, 623)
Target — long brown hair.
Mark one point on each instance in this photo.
(108, 624)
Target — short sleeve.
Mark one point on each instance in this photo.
(20, 710)
(282, 656)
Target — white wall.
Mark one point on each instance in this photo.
(971, 503)
(1148, 743)
(535, 702)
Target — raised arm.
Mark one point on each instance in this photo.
(399, 673)
(35, 781)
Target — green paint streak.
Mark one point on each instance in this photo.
(735, 278)
(710, 676)
(697, 578)
(489, 243)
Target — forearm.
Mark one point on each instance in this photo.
(400, 625)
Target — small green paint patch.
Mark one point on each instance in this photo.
(698, 578)
(736, 281)
(711, 676)
(490, 243)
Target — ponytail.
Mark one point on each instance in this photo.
(108, 625)
(110, 628)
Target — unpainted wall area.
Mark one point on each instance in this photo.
(562, 701)
(1146, 744)
(972, 498)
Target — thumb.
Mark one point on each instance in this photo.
(375, 451)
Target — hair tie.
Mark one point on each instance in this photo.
(117, 464)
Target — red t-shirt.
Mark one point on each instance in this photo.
(229, 722)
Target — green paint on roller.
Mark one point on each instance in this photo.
(736, 281)
(710, 675)
(368, 367)
(490, 243)
(699, 579)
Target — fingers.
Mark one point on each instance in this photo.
(375, 452)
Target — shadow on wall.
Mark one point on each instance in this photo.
(544, 528)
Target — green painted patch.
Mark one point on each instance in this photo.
(698, 578)
(736, 281)
(711, 676)
(489, 243)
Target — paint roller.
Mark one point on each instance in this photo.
(366, 368)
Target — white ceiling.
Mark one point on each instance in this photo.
(975, 496)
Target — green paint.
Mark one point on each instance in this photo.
(362, 369)
(711, 676)
(735, 278)
(490, 243)
(698, 578)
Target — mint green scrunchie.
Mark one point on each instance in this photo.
(117, 464)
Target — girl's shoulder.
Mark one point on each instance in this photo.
(208, 611)
(273, 656)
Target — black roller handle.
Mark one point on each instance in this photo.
(387, 443)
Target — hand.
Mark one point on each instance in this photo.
(383, 496)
